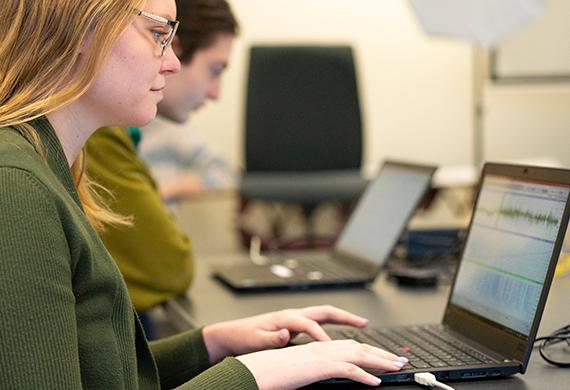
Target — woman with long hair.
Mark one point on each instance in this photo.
(67, 68)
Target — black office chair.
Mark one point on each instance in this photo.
(303, 132)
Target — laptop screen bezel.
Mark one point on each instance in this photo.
(505, 341)
(373, 267)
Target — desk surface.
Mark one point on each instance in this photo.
(383, 303)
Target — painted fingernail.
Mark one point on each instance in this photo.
(403, 359)
(378, 381)
(399, 364)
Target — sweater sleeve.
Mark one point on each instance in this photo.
(38, 333)
(175, 152)
(183, 363)
(154, 255)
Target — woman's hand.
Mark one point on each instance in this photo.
(294, 367)
(273, 330)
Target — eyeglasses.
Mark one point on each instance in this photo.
(169, 36)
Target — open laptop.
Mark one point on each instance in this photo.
(499, 292)
(363, 247)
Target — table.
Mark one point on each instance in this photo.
(384, 303)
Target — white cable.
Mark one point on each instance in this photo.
(255, 251)
(428, 379)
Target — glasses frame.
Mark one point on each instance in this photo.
(166, 22)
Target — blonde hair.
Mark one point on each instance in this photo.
(40, 71)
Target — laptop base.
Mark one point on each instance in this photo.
(247, 286)
(430, 348)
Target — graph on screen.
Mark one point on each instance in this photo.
(527, 215)
(506, 258)
(531, 213)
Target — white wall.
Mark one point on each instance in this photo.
(528, 122)
(532, 121)
(416, 90)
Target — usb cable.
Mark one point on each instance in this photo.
(428, 379)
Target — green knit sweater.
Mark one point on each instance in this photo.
(67, 320)
(154, 255)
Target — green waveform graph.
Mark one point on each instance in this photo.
(547, 219)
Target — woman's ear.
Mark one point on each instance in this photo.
(82, 50)
(85, 43)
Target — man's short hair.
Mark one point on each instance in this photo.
(201, 23)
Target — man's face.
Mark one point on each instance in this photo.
(197, 80)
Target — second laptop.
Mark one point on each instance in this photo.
(364, 246)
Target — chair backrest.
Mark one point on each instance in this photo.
(302, 110)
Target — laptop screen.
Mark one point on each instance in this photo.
(508, 251)
(383, 211)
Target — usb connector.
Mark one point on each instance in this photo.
(428, 379)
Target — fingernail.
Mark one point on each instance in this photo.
(403, 359)
(399, 364)
(378, 381)
(282, 334)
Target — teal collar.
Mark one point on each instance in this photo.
(135, 134)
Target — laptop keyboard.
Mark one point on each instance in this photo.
(328, 268)
(424, 346)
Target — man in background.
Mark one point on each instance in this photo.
(182, 164)
(154, 255)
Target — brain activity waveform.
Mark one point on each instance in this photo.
(546, 218)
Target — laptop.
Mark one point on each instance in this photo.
(500, 289)
(364, 245)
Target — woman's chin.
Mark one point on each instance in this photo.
(144, 119)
